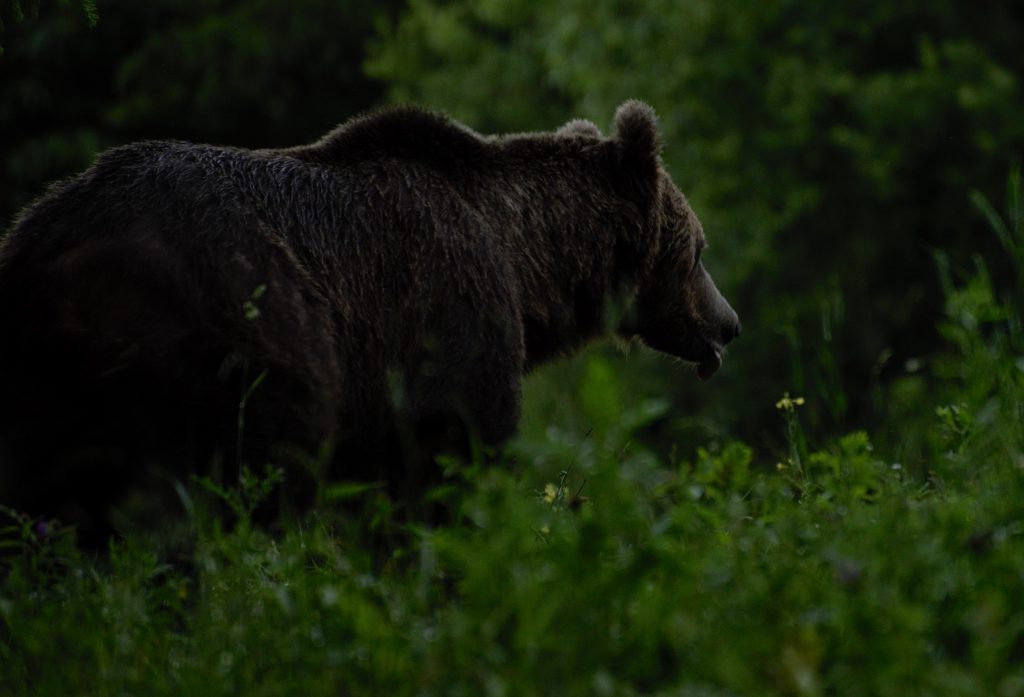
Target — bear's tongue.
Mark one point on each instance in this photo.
(709, 366)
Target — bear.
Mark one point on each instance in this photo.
(352, 307)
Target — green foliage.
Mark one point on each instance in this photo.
(983, 323)
(252, 491)
(717, 576)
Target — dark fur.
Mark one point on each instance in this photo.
(414, 270)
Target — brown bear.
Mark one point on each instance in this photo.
(382, 290)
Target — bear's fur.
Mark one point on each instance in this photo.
(383, 290)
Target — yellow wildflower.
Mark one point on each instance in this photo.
(550, 493)
(788, 403)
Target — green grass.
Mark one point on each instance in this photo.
(705, 577)
(589, 564)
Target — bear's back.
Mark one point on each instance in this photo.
(397, 134)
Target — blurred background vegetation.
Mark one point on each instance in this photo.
(831, 150)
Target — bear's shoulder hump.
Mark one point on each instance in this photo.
(397, 132)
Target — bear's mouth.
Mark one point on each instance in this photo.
(710, 365)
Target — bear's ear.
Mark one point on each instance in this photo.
(636, 129)
(579, 127)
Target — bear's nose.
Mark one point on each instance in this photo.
(731, 329)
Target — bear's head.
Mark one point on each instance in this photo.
(678, 309)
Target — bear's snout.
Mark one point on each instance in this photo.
(731, 326)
